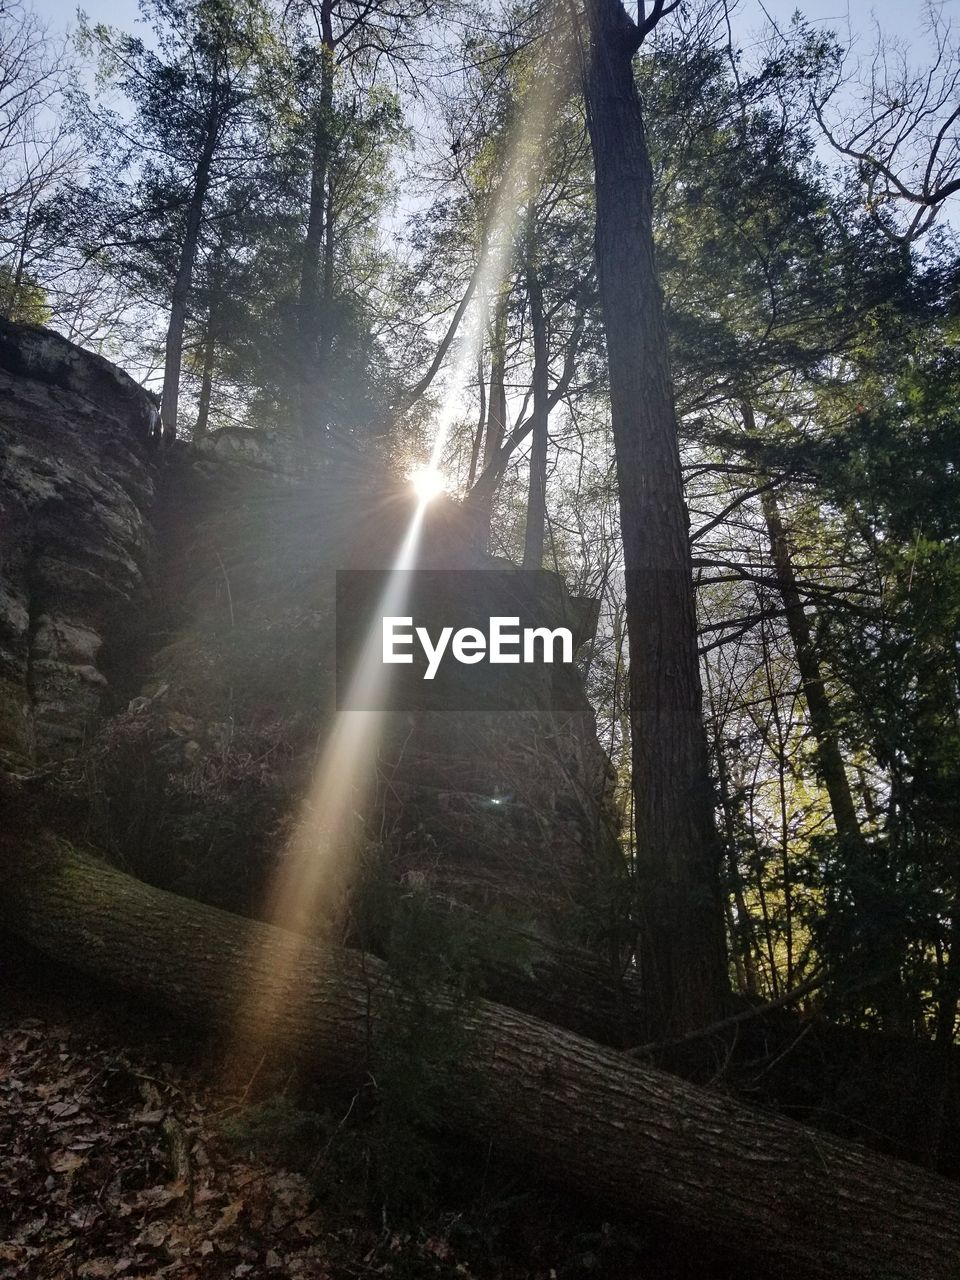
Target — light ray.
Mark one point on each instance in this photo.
(428, 483)
(309, 888)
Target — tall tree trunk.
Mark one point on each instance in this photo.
(329, 280)
(537, 489)
(740, 925)
(785, 1199)
(173, 353)
(206, 385)
(682, 949)
(829, 756)
(481, 421)
(309, 306)
(496, 409)
(889, 994)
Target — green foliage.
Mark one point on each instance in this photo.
(24, 300)
(278, 1129)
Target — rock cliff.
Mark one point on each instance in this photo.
(166, 639)
(77, 480)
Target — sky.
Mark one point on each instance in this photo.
(898, 17)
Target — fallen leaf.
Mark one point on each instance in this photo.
(66, 1162)
(32, 1228)
(152, 1236)
(83, 1218)
(98, 1269)
(157, 1197)
(148, 1117)
(229, 1216)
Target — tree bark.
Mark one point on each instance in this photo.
(829, 756)
(682, 949)
(790, 1201)
(202, 423)
(540, 436)
(173, 351)
(313, 247)
(496, 407)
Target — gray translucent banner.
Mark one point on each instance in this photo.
(456, 640)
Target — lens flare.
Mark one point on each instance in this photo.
(428, 483)
(309, 888)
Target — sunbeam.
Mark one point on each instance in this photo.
(309, 888)
(428, 483)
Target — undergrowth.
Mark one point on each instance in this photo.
(383, 1149)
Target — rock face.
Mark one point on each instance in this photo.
(76, 490)
(234, 544)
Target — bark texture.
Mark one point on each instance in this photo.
(319, 237)
(537, 488)
(496, 413)
(682, 944)
(794, 1202)
(173, 351)
(829, 755)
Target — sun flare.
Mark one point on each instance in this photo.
(308, 890)
(428, 483)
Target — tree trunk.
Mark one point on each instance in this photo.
(889, 994)
(325, 345)
(309, 306)
(206, 385)
(481, 421)
(739, 926)
(537, 490)
(683, 964)
(173, 352)
(785, 1199)
(496, 410)
(829, 756)
(496, 461)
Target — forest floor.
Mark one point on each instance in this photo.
(120, 1158)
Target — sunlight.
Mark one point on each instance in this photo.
(428, 483)
(309, 890)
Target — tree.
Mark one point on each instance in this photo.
(902, 138)
(540, 418)
(37, 153)
(682, 956)
(191, 98)
(349, 41)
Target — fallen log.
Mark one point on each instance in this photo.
(793, 1201)
(559, 982)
